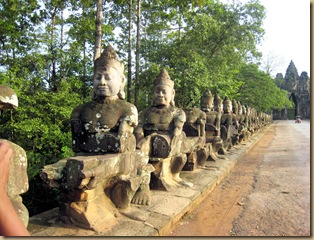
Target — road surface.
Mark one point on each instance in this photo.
(266, 194)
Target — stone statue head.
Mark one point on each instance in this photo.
(109, 79)
(218, 104)
(235, 108)
(240, 108)
(207, 101)
(227, 105)
(164, 92)
(8, 98)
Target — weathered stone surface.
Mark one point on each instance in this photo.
(226, 125)
(107, 172)
(160, 134)
(18, 179)
(212, 106)
(194, 128)
(95, 127)
(157, 219)
(8, 98)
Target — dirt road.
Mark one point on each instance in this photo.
(266, 194)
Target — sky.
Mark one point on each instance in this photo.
(287, 33)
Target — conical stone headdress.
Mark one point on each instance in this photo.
(226, 100)
(109, 58)
(207, 100)
(164, 79)
(208, 95)
(217, 100)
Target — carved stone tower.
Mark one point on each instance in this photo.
(299, 92)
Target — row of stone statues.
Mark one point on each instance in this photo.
(121, 155)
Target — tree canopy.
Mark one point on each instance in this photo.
(47, 49)
(258, 89)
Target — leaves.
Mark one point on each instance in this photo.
(203, 45)
(258, 89)
(46, 56)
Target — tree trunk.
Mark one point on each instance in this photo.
(137, 67)
(130, 54)
(97, 51)
(53, 80)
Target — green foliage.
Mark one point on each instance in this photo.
(203, 44)
(46, 56)
(259, 90)
(41, 126)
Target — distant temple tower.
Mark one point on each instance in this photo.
(299, 92)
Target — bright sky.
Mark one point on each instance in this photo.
(287, 33)
(287, 27)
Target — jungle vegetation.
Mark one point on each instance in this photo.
(47, 50)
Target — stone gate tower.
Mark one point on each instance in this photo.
(299, 92)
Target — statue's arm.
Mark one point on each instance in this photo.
(218, 122)
(139, 130)
(179, 120)
(202, 122)
(128, 122)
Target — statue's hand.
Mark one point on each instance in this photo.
(177, 131)
(123, 135)
(217, 139)
(93, 178)
(124, 130)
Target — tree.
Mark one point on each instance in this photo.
(130, 52)
(259, 90)
(98, 33)
(138, 44)
(19, 20)
(202, 43)
(271, 62)
(202, 48)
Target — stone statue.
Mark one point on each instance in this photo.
(107, 172)
(18, 179)
(226, 124)
(105, 125)
(248, 117)
(212, 127)
(243, 123)
(252, 120)
(160, 135)
(235, 123)
(194, 129)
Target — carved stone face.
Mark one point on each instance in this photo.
(162, 96)
(107, 81)
(218, 107)
(227, 107)
(207, 103)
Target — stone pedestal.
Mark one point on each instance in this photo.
(94, 187)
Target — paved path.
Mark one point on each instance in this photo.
(267, 193)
